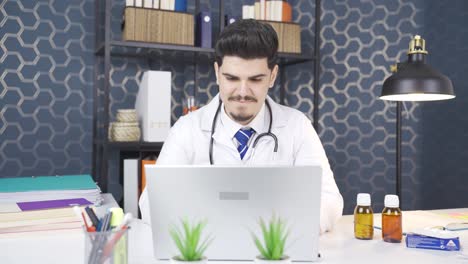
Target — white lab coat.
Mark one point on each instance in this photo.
(189, 140)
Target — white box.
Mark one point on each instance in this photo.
(153, 105)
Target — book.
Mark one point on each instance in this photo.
(262, 9)
(46, 183)
(50, 204)
(148, 3)
(257, 10)
(286, 12)
(156, 4)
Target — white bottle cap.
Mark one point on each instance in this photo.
(392, 201)
(363, 199)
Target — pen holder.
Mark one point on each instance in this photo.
(106, 247)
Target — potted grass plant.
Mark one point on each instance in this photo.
(188, 240)
(274, 235)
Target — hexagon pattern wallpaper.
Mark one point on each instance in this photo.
(47, 84)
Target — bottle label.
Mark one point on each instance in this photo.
(363, 226)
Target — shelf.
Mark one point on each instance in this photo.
(136, 146)
(148, 50)
(286, 59)
(143, 49)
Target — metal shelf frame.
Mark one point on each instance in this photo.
(106, 48)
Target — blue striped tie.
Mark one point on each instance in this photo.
(243, 137)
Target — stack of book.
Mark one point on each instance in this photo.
(278, 14)
(33, 205)
(163, 22)
(273, 10)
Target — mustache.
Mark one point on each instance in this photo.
(242, 98)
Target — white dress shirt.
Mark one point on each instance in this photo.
(298, 144)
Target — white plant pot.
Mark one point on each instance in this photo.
(175, 260)
(284, 260)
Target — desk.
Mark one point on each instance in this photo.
(338, 246)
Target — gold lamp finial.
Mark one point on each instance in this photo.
(417, 45)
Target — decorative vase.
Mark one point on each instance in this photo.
(284, 260)
(176, 260)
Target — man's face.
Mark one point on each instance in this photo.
(243, 86)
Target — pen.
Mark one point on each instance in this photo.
(121, 229)
(92, 216)
(97, 250)
(80, 214)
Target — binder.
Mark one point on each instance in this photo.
(130, 182)
(204, 26)
(229, 19)
(180, 5)
(143, 172)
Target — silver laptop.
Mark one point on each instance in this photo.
(232, 199)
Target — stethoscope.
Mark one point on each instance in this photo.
(266, 134)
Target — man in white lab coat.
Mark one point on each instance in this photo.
(246, 69)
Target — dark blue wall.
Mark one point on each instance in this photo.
(444, 125)
(46, 81)
(46, 87)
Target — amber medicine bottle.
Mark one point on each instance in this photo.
(391, 220)
(363, 217)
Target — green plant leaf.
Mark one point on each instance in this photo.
(275, 234)
(260, 248)
(188, 240)
(176, 236)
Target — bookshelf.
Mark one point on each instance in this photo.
(107, 48)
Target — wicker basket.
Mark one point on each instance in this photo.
(127, 115)
(124, 131)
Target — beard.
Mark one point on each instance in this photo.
(241, 117)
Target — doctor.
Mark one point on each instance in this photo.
(242, 125)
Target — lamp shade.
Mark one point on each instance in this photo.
(414, 80)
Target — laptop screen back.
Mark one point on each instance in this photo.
(232, 200)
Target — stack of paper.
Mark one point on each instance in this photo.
(27, 189)
(39, 222)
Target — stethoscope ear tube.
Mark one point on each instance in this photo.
(213, 125)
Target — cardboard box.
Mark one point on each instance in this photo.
(159, 26)
(289, 36)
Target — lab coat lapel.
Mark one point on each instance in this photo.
(279, 118)
(222, 142)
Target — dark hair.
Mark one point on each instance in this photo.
(248, 39)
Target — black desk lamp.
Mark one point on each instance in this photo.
(414, 80)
